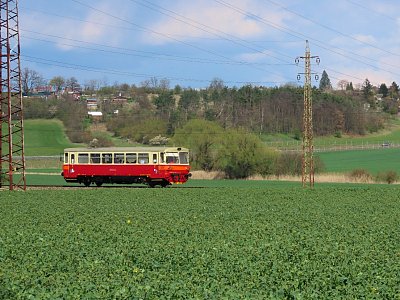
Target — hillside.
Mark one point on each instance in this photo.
(45, 137)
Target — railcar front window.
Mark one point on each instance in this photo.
(119, 158)
(65, 158)
(95, 158)
(83, 158)
(172, 158)
(184, 157)
(106, 158)
(131, 158)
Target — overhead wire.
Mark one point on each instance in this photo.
(140, 53)
(130, 74)
(333, 30)
(208, 29)
(293, 33)
(220, 36)
(165, 35)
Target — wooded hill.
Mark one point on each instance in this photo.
(152, 112)
(220, 125)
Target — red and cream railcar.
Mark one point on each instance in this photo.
(125, 165)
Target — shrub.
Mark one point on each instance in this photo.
(360, 175)
(242, 155)
(100, 141)
(388, 176)
(291, 163)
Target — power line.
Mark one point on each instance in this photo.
(198, 25)
(297, 34)
(146, 54)
(332, 29)
(164, 35)
(372, 10)
(30, 10)
(130, 74)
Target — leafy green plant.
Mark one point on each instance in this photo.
(255, 241)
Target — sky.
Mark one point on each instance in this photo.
(191, 43)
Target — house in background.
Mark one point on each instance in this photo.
(96, 116)
(91, 104)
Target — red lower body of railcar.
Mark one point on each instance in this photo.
(151, 175)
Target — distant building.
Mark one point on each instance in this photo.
(95, 115)
(119, 99)
(91, 104)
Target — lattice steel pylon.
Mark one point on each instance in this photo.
(12, 158)
(308, 146)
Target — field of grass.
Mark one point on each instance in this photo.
(257, 242)
(391, 135)
(45, 137)
(374, 161)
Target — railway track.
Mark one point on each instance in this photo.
(71, 187)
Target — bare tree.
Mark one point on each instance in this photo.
(216, 84)
(30, 80)
(164, 84)
(72, 83)
(342, 84)
(92, 85)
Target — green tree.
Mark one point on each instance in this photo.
(58, 82)
(349, 86)
(383, 89)
(394, 90)
(325, 83)
(164, 102)
(367, 89)
(189, 103)
(201, 137)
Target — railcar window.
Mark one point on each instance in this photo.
(184, 157)
(83, 158)
(72, 158)
(172, 158)
(162, 159)
(95, 158)
(155, 158)
(106, 158)
(131, 158)
(119, 158)
(65, 158)
(143, 158)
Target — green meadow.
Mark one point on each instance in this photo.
(45, 137)
(374, 161)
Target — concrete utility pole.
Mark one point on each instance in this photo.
(308, 146)
(12, 158)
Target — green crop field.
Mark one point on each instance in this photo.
(374, 161)
(255, 242)
(45, 137)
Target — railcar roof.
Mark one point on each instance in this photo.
(126, 149)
